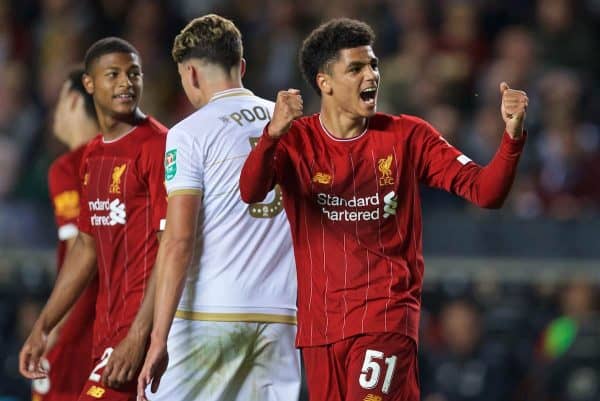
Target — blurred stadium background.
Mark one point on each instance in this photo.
(511, 296)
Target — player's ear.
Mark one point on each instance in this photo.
(195, 75)
(242, 67)
(323, 83)
(88, 84)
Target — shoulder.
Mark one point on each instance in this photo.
(264, 102)
(306, 125)
(68, 163)
(155, 126)
(389, 122)
(63, 173)
(91, 146)
(153, 135)
(59, 167)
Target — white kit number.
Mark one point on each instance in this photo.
(371, 370)
(95, 376)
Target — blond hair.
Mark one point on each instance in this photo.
(211, 38)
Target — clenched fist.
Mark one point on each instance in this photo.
(288, 107)
(513, 109)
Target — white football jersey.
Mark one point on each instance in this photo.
(243, 265)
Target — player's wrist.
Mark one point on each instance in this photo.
(139, 332)
(514, 132)
(274, 133)
(158, 340)
(41, 327)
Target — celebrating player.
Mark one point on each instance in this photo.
(233, 333)
(123, 203)
(69, 352)
(350, 181)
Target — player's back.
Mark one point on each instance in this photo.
(244, 260)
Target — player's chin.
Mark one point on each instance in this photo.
(367, 110)
(124, 109)
(367, 107)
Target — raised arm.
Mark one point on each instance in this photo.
(258, 173)
(489, 186)
(77, 271)
(442, 166)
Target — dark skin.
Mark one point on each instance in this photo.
(115, 82)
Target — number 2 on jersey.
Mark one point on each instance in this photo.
(266, 210)
(371, 371)
(95, 376)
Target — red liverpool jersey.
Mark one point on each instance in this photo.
(65, 191)
(70, 358)
(355, 215)
(123, 203)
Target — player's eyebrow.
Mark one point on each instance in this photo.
(119, 68)
(355, 64)
(361, 64)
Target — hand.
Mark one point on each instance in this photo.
(288, 107)
(155, 365)
(513, 110)
(124, 362)
(30, 356)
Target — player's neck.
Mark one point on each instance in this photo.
(216, 87)
(113, 128)
(341, 125)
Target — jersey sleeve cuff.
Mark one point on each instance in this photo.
(266, 140)
(67, 231)
(183, 191)
(512, 147)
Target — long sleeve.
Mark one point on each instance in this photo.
(489, 186)
(258, 173)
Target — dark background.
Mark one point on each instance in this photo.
(510, 299)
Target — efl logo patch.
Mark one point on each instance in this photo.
(67, 204)
(322, 178)
(170, 164)
(96, 392)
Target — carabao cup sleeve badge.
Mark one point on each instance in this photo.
(170, 164)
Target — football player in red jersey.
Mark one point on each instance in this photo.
(350, 180)
(123, 205)
(68, 356)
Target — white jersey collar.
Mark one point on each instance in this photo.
(231, 93)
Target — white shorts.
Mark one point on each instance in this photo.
(229, 361)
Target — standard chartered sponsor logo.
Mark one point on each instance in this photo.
(365, 208)
(115, 208)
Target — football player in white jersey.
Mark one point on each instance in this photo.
(226, 280)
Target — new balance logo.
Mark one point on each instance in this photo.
(116, 212)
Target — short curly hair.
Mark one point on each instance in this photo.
(323, 44)
(105, 46)
(211, 38)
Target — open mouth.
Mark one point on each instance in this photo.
(125, 97)
(368, 95)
